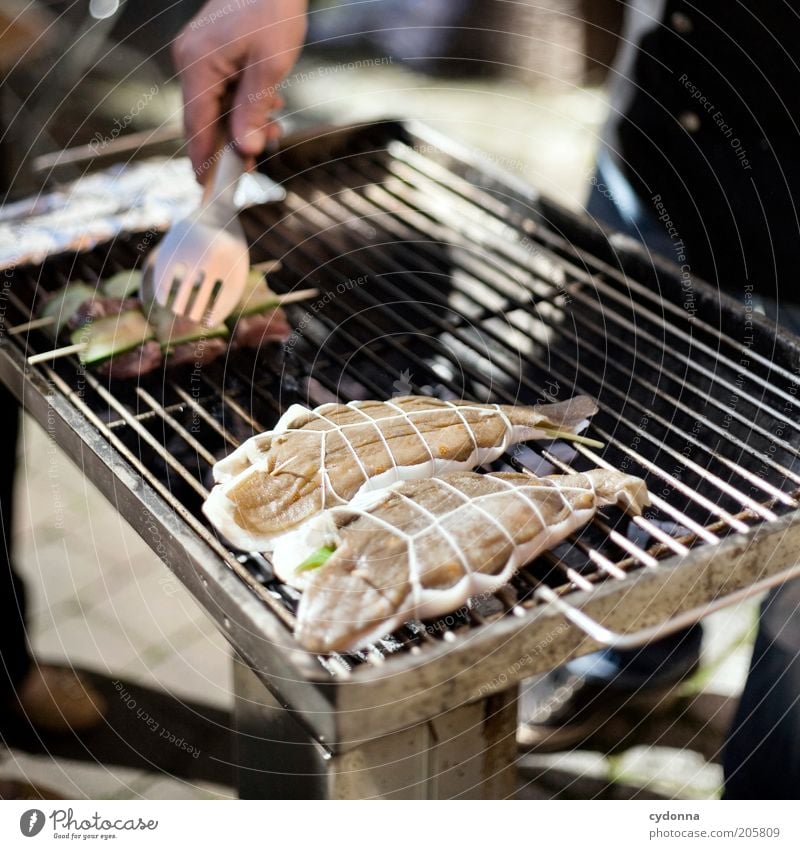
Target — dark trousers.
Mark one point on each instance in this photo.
(14, 655)
(762, 754)
(762, 758)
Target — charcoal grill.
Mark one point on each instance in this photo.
(438, 274)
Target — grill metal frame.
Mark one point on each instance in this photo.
(341, 704)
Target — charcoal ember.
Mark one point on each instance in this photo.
(197, 353)
(133, 363)
(252, 331)
(100, 307)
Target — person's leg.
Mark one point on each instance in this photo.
(51, 698)
(14, 654)
(762, 756)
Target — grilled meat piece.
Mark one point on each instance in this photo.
(135, 363)
(185, 342)
(101, 306)
(316, 459)
(253, 331)
(423, 548)
(198, 353)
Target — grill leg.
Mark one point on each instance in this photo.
(467, 752)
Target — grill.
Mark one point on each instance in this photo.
(439, 275)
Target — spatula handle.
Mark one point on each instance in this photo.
(222, 186)
(226, 164)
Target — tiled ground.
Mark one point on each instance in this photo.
(101, 598)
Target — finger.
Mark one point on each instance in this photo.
(202, 103)
(255, 98)
(202, 85)
(272, 132)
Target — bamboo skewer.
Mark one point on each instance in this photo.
(66, 351)
(294, 297)
(34, 324)
(267, 266)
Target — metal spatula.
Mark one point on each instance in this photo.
(199, 270)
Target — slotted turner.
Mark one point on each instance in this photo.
(199, 270)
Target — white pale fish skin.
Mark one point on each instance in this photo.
(248, 452)
(248, 461)
(330, 617)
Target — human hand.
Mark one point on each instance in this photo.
(247, 46)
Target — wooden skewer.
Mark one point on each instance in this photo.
(267, 266)
(57, 353)
(299, 295)
(34, 324)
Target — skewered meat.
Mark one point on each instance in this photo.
(423, 548)
(125, 349)
(139, 361)
(185, 342)
(100, 306)
(316, 459)
(198, 353)
(111, 329)
(253, 331)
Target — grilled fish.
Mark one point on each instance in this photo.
(423, 548)
(322, 458)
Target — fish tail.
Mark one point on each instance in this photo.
(569, 416)
(616, 488)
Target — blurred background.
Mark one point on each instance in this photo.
(519, 82)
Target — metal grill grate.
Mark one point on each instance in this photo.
(437, 277)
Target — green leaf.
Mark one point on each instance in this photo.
(123, 284)
(317, 559)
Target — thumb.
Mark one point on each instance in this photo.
(255, 98)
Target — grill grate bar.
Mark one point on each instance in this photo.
(237, 408)
(169, 419)
(576, 293)
(147, 415)
(477, 233)
(614, 536)
(301, 207)
(408, 163)
(668, 542)
(147, 437)
(201, 411)
(725, 433)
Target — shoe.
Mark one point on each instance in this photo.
(56, 700)
(563, 710)
(22, 790)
